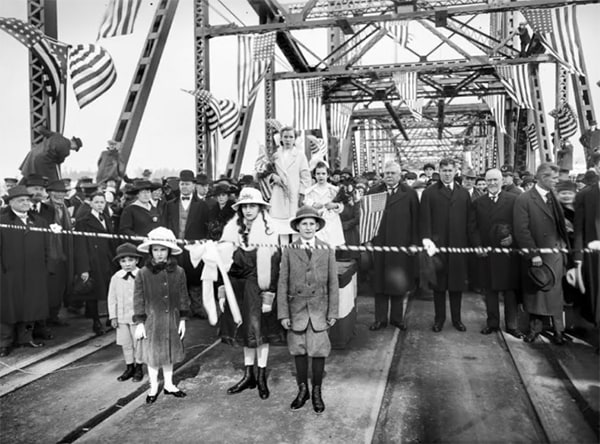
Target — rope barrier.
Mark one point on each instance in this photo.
(411, 249)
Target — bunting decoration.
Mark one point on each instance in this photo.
(92, 71)
(307, 102)
(515, 78)
(531, 132)
(497, 105)
(119, 18)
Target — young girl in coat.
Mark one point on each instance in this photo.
(160, 316)
(308, 302)
(253, 276)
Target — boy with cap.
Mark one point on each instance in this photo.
(307, 301)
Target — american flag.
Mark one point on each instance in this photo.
(340, 114)
(318, 150)
(497, 105)
(255, 54)
(221, 114)
(230, 117)
(399, 31)
(371, 213)
(57, 108)
(532, 137)
(92, 71)
(41, 46)
(559, 29)
(515, 79)
(566, 120)
(119, 18)
(406, 84)
(307, 102)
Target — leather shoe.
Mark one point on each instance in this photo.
(459, 326)
(377, 325)
(177, 394)
(516, 333)
(399, 325)
(317, 401)
(488, 330)
(151, 399)
(531, 336)
(97, 328)
(301, 397)
(559, 338)
(32, 344)
(437, 327)
(4, 351)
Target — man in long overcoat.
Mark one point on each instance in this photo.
(187, 217)
(540, 223)
(492, 226)
(394, 273)
(444, 215)
(23, 267)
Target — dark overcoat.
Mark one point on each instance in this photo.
(308, 289)
(536, 226)
(444, 219)
(497, 271)
(395, 273)
(94, 255)
(587, 229)
(138, 221)
(350, 217)
(195, 229)
(160, 301)
(46, 157)
(23, 264)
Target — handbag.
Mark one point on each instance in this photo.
(81, 287)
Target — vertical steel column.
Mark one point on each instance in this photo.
(545, 151)
(204, 161)
(269, 105)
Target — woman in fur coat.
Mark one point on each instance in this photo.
(254, 272)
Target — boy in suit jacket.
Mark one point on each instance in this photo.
(307, 301)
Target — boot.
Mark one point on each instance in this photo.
(97, 327)
(317, 401)
(247, 381)
(302, 396)
(127, 374)
(138, 373)
(263, 390)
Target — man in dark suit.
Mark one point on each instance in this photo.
(394, 273)
(468, 183)
(540, 223)
(492, 226)
(444, 215)
(187, 217)
(587, 229)
(508, 179)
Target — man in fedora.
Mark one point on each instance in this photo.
(539, 222)
(187, 217)
(23, 272)
(508, 180)
(46, 157)
(468, 183)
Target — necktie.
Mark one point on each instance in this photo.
(129, 275)
(449, 188)
(494, 197)
(308, 251)
(101, 218)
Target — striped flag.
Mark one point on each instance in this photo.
(318, 150)
(92, 71)
(371, 213)
(307, 102)
(566, 120)
(41, 47)
(244, 67)
(57, 108)
(515, 78)
(406, 84)
(255, 54)
(399, 30)
(531, 132)
(497, 105)
(222, 114)
(558, 27)
(230, 117)
(119, 18)
(340, 114)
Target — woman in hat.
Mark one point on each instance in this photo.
(140, 217)
(253, 273)
(160, 317)
(93, 259)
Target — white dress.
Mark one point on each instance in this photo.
(333, 233)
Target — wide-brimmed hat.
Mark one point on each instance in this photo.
(78, 143)
(160, 236)
(307, 212)
(202, 179)
(542, 277)
(187, 176)
(221, 189)
(565, 185)
(507, 170)
(18, 191)
(35, 180)
(58, 186)
(14, 180)
(143, 184)
(470, 173)
(126, 250)
(249, 195)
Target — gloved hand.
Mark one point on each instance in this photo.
(140, 332)
(430, 247)
(181, 329)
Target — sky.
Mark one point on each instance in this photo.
(166, 137)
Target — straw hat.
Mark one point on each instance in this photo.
(250, 195)
(160, 236)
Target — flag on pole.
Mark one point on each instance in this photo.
(318, 150)
(307, 102)
(497, 105)
(399, 31)
(531, 132)
(558, 29)
(230, 117)
(255, 54)
(41, 47)
(244, 67)
(566, 120)
(515, 78)
(371, 213)
(340, 114)
(92, 71)
(119, 18)
(57, 107)
(221, 114)
(406, 85)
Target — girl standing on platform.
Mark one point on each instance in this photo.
(253, 276)
(308, 300)
(161, 307)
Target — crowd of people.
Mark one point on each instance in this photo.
(283, 224)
